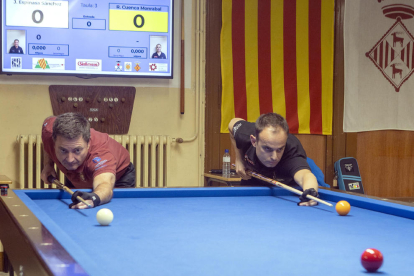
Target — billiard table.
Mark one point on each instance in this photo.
(204, 231)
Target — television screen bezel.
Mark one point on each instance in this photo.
(88, 75)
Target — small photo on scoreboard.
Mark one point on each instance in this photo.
(159, 46)
(16, 41)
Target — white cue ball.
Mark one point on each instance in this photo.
(104, 216)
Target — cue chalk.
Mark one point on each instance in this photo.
(281, 185)
(54, 180)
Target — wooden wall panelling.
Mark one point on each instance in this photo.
(329, 165)
(386, 161)
(214, 151)
(339, 137)
(337, 143)
(315, 147)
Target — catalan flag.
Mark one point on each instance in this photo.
(277, 56)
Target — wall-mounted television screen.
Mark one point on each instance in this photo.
(129, 38)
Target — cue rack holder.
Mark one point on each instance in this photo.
(108, 108)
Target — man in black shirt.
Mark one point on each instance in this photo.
(266, 147)
(158, 53)
(16, 49)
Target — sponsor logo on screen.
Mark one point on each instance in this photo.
(48, 64)
(158, 67)
(128, 66)
(354, 186)
(16, 63)
(118, 66)
(88, 64)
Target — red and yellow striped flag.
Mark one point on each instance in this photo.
(42, 63)
(277, 56)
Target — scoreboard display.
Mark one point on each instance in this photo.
(130, 38)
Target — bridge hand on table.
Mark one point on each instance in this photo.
(90, 198)
(308, 203)
(304, 201)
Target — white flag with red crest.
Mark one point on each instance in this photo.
(379, 65)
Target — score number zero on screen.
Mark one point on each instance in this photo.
(142, 18)
(43, 14)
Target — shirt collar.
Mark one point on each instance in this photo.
(251, 158)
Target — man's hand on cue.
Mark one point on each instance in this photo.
(82, 205)
(304, 201)
(241, 170)
(91, 198)
(48, 170)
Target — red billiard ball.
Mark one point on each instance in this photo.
(372, 259)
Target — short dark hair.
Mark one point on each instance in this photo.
(71, 126)
(271, 120)
(16, 40)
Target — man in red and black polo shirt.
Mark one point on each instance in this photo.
(88, 158)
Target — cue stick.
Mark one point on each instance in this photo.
(182, 82)
(281, 185)
(54, 180)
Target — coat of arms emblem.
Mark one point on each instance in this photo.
(393, 54)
